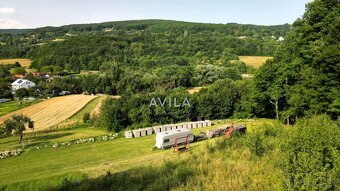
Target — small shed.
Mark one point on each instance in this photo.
(136, 133)
(128, 134)
(199, 124)
(168, 139)
(179, 126)
(194, 124)
(163, 128)
(148, 130)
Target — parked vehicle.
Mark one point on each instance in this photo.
(167, 139)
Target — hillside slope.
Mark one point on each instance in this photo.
(139, 43)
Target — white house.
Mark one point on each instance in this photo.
(22, 83)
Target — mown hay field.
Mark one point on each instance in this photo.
(23, 62)
(255, 61)
(52, 111)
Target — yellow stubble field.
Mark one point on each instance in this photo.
(255, 61)
(50, 112)
(23, 62)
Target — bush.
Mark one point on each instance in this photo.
(86, 117)
(272, 131)
(255, 142)
(311, 155)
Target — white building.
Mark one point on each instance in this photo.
(168, 139)
(22, 83)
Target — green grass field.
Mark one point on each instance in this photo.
(35, 168)
(89, 158)
(10, 106)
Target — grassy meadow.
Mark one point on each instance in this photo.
(14, 105)
(47, 166)
(269, 157)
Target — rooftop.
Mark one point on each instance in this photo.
(173, 132)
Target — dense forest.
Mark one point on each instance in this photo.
(135, 56)
(148, 43)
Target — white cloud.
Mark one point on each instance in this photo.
(11, 24)
(7, 10)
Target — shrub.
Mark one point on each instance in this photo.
(86, 117)
(273, 131)
(311, 155)
(255, 142)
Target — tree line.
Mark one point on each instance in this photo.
(223, 99)
(303, 79)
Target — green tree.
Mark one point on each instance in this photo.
(16, 71)
(217, 101)
(18, 124)
(308, 62)
(269, 89)
(17, 65)
(21, 93)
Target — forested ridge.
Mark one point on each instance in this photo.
(144, 43)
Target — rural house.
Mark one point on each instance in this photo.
(22, 83)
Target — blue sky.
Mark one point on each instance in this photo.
(38, 13)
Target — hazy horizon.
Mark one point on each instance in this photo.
(17, 14)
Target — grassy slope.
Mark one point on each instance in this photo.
(8, 107)
(93, 104)
(91, 158)
(49, 138)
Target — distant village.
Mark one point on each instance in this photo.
(27, 81)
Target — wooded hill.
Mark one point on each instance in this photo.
(146, 43)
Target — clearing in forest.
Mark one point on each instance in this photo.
(255, 61)
(22, 61)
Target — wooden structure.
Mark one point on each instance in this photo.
(182, 147)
